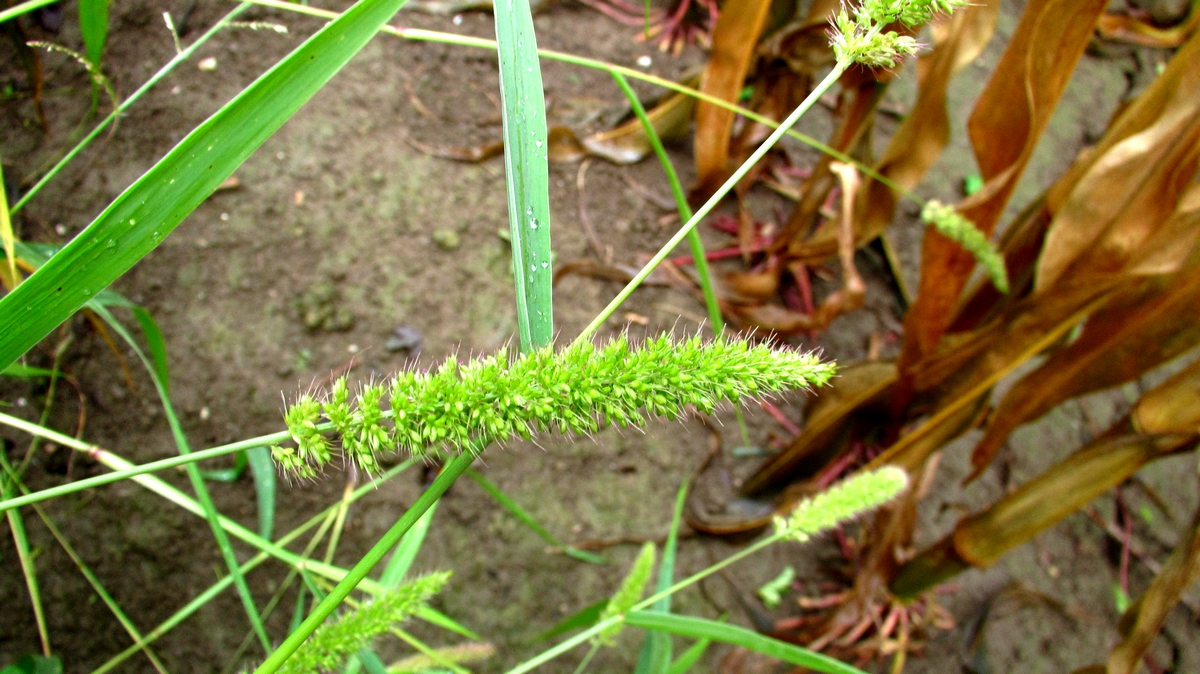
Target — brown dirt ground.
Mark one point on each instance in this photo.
(222, 287)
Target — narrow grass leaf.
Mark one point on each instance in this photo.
(145, 213)
(525, 161)
(263, 469)
(34, 664)
(25, 372)
(528, 520)
(585, 617)
(23, 8)
(155, 344)
(24, 555)
(93, 24)
(6, 233)
(702, 628)
(406, 550)
(690, 657)
(655, 657)
(681, 204)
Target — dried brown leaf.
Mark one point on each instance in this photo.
(1125, 28)
(1148, 161)
(1144, 324)
(735, 37)
(1105, 462)
(1005, 126)
(628, 143)
(1171, 407)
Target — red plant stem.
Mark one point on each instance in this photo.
(778, 415)
(838, 466)
(757, 247)
(805, 285)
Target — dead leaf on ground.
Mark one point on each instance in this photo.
(628, 143)
(473, 154)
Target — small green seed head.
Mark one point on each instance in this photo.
(841, 503)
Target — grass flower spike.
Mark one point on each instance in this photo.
(572, 391)
(845, 501)
(858, 35)
(952, 225)
(632, 589)
(333, 642)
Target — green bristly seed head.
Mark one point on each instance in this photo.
(333, 642)
(858, 35)
(496, 398)
(632, 589)
(841, 503)
(952, 225)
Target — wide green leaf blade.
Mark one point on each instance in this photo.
(263, 469)
(145, 213)
(525, 162)
(701, 628)
(93, 25)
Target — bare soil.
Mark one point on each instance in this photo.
(339, 210)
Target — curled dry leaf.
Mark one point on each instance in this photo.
(981, 539)
(1007, 122)
(1125, 28)
(1143, 166)
(735, 37)
(1146, 323)
(628, 143)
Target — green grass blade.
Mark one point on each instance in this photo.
(117, 475)
(99, 589)
(406, 551)
(155, 344)
(525, 162)
(7, 239)
(23, 8)
(655, 657)
(28, 566)
(690, 657)
(24, 372)
(525, 518)
(145, 213)
(93, 24)
(221, 585)
(128, 102)
(193, 472)
(449, 474)
(701, 628)
(681, 205)
(228, 474)
(585, 617)
(708, 206)
(263, 469)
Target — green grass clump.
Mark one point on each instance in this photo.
(571, 391)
